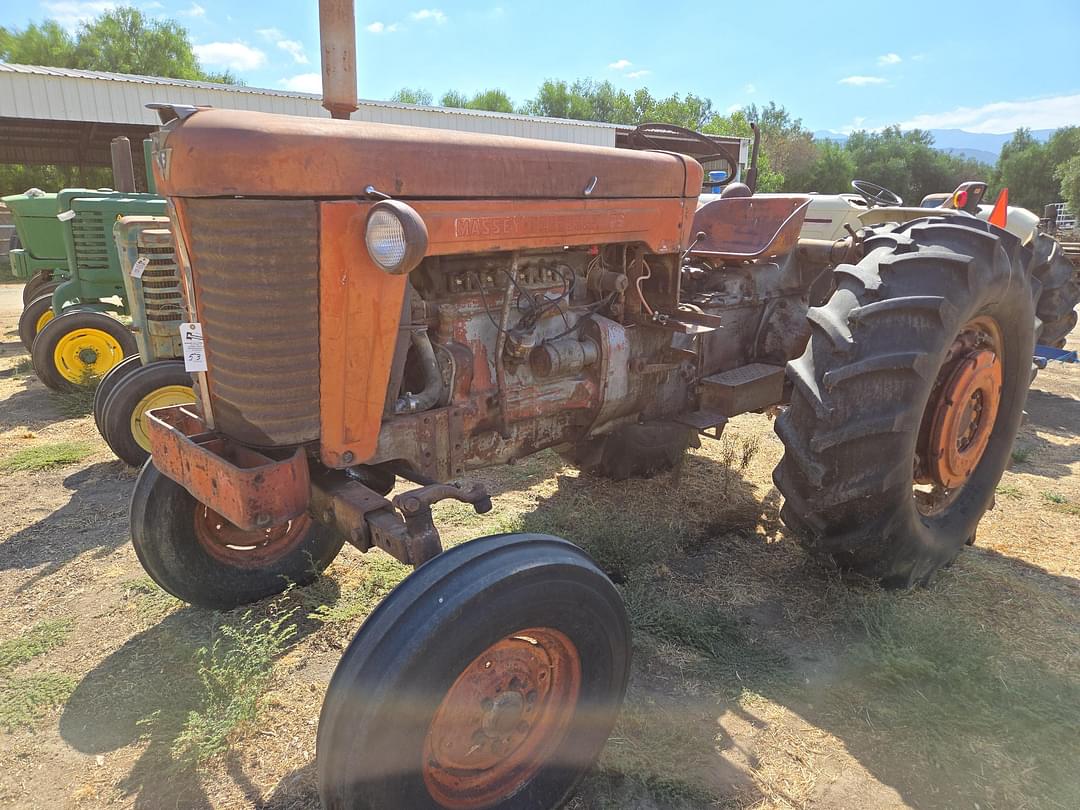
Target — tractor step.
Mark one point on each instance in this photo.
(702, 420)
(746, 388)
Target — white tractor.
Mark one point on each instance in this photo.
(835, 216)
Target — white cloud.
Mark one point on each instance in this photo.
(620, 64)
(290, 46)
(295, 50)
(232, 55)
(70, 13)
(750, 89)
(432, 14)
(889, 59)
(860, 81)
(1004, 116)
(303, 83)
(637, 74)
(195, 11)
(381, 28)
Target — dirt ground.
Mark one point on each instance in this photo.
(760, 679)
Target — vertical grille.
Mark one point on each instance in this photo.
(89, 234)
(162, 300)
(255, 267)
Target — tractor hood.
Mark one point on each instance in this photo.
(214, 153)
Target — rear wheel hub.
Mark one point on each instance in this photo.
(963, 407)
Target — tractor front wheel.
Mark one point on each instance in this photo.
(111, 379)
(123, 422)
(1060, 292)
(907, 400)
(633, 451)
(198, 556)
(79, 348)
(489, 678)
(33, 319)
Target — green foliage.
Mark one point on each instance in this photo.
(1069, 175)
(24, 699)
(408, 95)
(907, 163)
(44, 456)
(233, 671)
(121, 40)
(38, 640)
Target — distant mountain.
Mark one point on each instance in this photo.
(980, 155)
(984, 146)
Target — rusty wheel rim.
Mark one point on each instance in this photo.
(228, 543)
(960, 416)
(502, 720)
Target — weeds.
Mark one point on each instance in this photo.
(77, 400)
(233, 672)
(382, 574)
(1007, 491)
(45, 456)
(1059, 503)
(36, 641)
(24, 699)
(1022, 453)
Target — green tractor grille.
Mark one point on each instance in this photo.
(161, 283)
(91, 249)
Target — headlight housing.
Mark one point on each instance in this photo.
(396, 236)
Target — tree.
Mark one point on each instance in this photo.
(45, 43)
(408, 95)
(831, 172)
(123, 40)
(490, 100)
(1069, 175)
(790, 147)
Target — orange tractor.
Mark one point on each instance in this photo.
(369, 305)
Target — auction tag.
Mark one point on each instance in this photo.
(192, 340)
(64, 216)
(139, 267)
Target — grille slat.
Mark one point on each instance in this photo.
(255, 266)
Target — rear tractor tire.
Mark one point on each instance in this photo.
(490, 677)
(79, 348)
(633, 451)
(907, 400)
(41, 283)
(123, 421)
(33, 319)
(1060, 294)
(198, 556)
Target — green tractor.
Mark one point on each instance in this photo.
(37, 254)
(154, 377)
(72, 267)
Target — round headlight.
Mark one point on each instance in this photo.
(396, 236)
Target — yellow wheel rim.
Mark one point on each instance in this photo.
(158, 398)
(43, 319)
(84, 354)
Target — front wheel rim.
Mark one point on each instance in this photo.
(229, 544)
(86, 353)
(161, 397)
(43, 319)
(502, 719)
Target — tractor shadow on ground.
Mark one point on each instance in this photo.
(33, 407)
(95, 517)
(145, 691)
(1055, 416)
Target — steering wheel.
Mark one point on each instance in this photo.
(875, 194)
(645, 136)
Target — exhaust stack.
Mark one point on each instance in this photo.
(337, 36)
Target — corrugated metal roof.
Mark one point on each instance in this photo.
(305, 98)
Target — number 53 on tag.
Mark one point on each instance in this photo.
(191, 339)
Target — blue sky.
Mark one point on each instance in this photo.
(985, 67)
